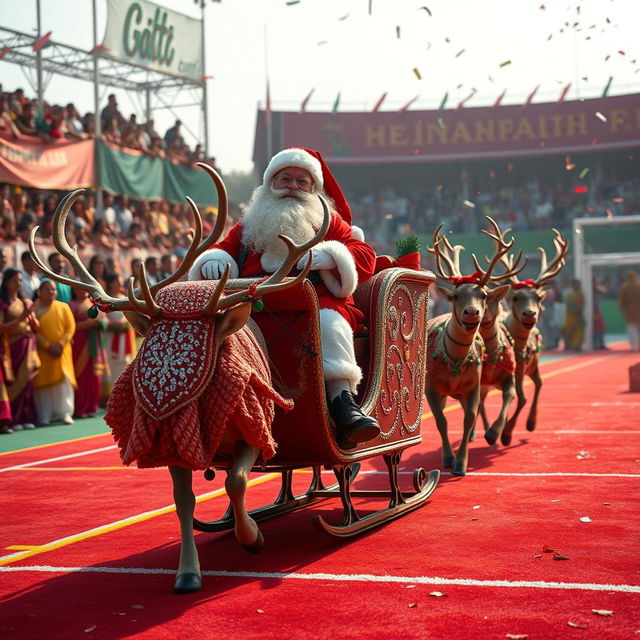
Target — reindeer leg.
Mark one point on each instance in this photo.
(246, 529)
(533, 412)
(470, 405)
(188, 578)
(508, 394)
(506, 436)
(437, 402)
(482, 410)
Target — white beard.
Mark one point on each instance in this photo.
(270, 214)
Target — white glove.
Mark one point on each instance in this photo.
(320, 259)
(213, 269)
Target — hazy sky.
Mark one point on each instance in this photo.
(337, 46)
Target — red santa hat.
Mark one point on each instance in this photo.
(313, 162)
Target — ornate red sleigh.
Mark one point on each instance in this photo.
(392, 352)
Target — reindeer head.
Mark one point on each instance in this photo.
(526, 296)
(469, 294)
(229, 312)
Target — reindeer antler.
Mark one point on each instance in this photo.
(553, 268)
(85, 280)
(449, 255)
(513, 267)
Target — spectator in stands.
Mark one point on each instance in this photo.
(167, 266)
(30, 277)
(25, 121)
(172, 133)
(8, 126)
(89, 354)
(124, 216)
(151, 267)
(56, 381)
(89, 124)
(98, 269)
(111, 113)
(197, 155)
(134, 238)
(50, 124)
(102, 235)
(107, 211)
(58, 265)
(82, 238)
(75, 126)
(629, 303)
(111, 133)
(18, 100)
(18, 325)
(121, 338)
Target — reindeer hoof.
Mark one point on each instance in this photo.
(505, 439)
(491, 436)
(187, 583)
(531, 426)
(255, 547)
(447, 462)
(472, 435)
(459, 469)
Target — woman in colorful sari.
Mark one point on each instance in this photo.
(574, 317)
(5, 406)
(56, 380)
(20, 360)
(121, 344)
(89, 355)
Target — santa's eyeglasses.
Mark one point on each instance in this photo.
(302, 182)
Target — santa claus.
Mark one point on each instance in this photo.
(287, 203)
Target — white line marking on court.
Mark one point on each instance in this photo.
(344, 577)
(58, 458)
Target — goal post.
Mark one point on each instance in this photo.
(585, 260)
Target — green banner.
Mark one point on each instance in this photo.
(145, 178)
(181, 181)
(137, 176)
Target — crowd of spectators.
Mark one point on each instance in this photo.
(20, 115)
(388, 210)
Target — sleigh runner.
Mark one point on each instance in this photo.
(392, 352)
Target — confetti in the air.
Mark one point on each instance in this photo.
(584, 172)
(471, 205)
(426, 9)
(290, 2)
(417, 72)
(506, 63)
(344, 17)
(460, 53)
(602, 612)
(397, 32)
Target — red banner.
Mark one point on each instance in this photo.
(458, 134)
(60, 165)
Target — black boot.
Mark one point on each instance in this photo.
(353, 426)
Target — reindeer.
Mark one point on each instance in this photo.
(172, 314)
(498, 369)
(455, 346)
(525, 304)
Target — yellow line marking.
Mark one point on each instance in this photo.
(23, 547)
(120, 524)
(53, 444)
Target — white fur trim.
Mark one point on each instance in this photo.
(294, 158)
(347, 282)
(338, 357)
(357, 233)
(212, 254)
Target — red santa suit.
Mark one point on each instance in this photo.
(354, 263)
